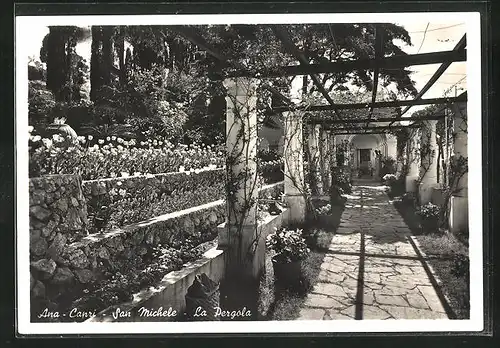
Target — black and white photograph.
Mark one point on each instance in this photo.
(249, 173)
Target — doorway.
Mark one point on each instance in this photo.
(364, 164)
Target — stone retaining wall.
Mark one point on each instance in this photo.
(64, 256)
(57, 212)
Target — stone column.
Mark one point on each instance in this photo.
(429, 163)
(325, 161)
(413, 148)
(459, 212)
(314, 160)
(239, 237)
(294, 167)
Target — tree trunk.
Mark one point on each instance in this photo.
(95, 68)
(107, 54)
(120, 48)
(56, 57)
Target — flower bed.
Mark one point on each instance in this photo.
(117, 202)
(115, 157)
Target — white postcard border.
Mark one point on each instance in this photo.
(475, 323)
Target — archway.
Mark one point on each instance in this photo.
(364, 149)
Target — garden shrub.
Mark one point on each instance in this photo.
(460, 266)
(429, 217)
(342, 179)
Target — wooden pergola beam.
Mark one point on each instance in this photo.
(393, 62)
(282, 34)
(378, 53)
(384, 104)
(374, 120)
(459, 47)
(360, 132)
(373, 128)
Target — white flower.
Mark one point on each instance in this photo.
(120, 140)
(30, 129)
(181, 169)
(113, 138)
(47, 142)
(57, 138)
(90, 137)
(108, 138)
(36, 138)
(100, 141)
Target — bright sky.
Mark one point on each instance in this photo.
(426, 37)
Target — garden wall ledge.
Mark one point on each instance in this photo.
(166, 300)
(139, 176)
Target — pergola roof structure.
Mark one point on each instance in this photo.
(446, 58)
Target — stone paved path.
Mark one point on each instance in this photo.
(371, 270)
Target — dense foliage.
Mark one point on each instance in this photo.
(152, 80)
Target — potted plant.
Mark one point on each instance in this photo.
(429, 217)
(289, 249)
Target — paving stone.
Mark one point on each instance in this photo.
(329, 289)
(432, 298)
(325, 276)
(373, 312)
(368, 297)
(417, 301)
(349, 311)
(412, 313)
(393, 300)
(335, 315)
(321, 301)
(350, 283)
(311, 314)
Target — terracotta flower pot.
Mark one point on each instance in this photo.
(287, 273)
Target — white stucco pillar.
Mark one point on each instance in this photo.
(429, 163)
(459, 212)
(391, 146)
(239, 234)
(413, 153)
(325, 160)
(315, 163)
(333, 151)
(294, 166)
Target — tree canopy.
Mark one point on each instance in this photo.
(151, 79)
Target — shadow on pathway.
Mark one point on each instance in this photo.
(372, 269)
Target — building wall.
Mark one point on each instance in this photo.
(367, 141)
